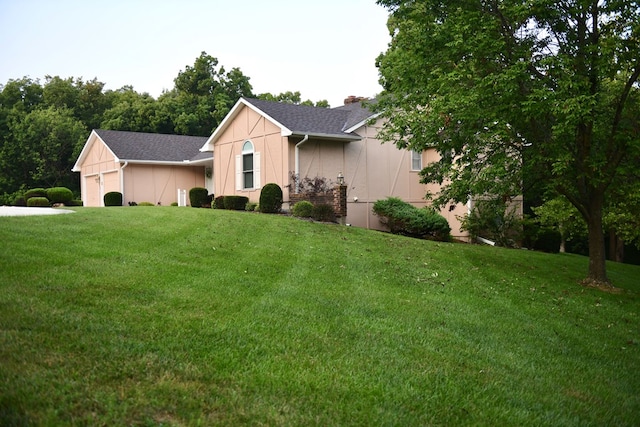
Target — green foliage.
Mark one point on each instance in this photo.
(251, 207)
(323, 212)
(38, 201)
(292, 98)
(235, 203)
(59, 195)
(218, 202)
(35, 192)
(494, 220)
(144, 204)
(302, 209)
(271, 198)
(75, 202)
(510, 96)
(403, 218)
(113, 198)
(199, 197)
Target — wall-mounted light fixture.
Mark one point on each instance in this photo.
(340, 178)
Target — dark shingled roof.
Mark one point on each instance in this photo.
(303, 119)
(153, 147)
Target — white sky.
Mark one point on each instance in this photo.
(326, 49)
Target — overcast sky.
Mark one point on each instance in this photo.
(326, 49)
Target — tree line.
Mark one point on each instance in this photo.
(43, 126)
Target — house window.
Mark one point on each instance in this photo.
(247, 168)
(416, 161)
(247, 165)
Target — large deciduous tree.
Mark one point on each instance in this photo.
(518, 91)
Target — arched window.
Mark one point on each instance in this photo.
(248, 168)
(247, 165)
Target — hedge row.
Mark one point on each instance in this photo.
(42, 197)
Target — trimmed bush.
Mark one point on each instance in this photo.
(75, 203)
(198, 197)
(35, 192)
(174, 203)
(235, 203)
(39, 202)
(404, 218)
(324, 213)
(302, 209)
(271, 198)
(218, 202)
(113, 198)
(59, 195)
(251, 206)
(19, 201)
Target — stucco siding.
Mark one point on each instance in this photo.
(159, 183)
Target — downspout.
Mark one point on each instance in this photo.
(126, 163)
(297, 155)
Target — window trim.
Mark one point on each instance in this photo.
(416, 156)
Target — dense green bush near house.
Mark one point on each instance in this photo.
(324, 213)
(235, 203)
(406, 219)
(198, 197)
(59, 195)
(218, 202)
(144, 204)
(113, 198)
(35, 192)
(38, 202)
(251, 206)
(75, 202)
(271, 198)
(302, 209)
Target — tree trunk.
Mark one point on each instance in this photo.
(597, 253)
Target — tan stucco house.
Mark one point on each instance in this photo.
(260, 142)
(144, 167)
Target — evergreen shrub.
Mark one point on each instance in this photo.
(235, 203)
(251, 206)
(324, 213)
(271, 198)
(38, 202)
(59, 195)
(198, 197)
(75, 202)
(302, 209)
(403, 218)
(218, 202)
(113, 198)
(35, 192)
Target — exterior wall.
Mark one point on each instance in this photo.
(267, 141)
(160, 183)
(377, 171)
(99, 174)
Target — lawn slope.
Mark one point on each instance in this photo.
(180, 316)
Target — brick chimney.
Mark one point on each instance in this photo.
(351, 99)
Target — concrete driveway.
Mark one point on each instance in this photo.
(22, 211)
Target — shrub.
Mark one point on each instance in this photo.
(75, 203)
(218, 202)
(113, 198)
(406, 219)
(324, 213)
(38, 202)
(145, 204)
(174, 203)
(302, 209)
(494, 220)
(271, 198)
(19, 201)
(235, 203)
(251, 206)
(35, 192)
(59, 195)
(198, 197)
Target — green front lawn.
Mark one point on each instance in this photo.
(181, 316)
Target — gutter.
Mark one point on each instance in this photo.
(297, 155)
(126, 163)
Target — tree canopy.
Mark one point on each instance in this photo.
(516, 93)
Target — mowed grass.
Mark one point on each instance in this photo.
(180, 316)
